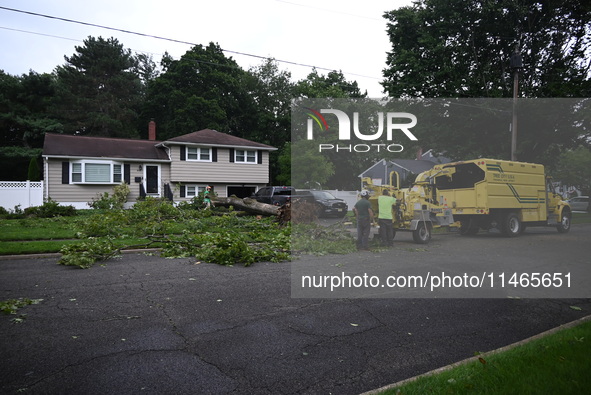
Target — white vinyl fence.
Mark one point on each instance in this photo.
(23, 193)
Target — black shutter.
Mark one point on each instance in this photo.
(260, 157)
(168, 192)
(127, 173)
(214, 154)
(232, 155)
(65, 172)
(183, 153)
(183, 193)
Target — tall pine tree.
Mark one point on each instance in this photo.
(98, 91)
(204, 89)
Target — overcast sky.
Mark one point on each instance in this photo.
(345, 35)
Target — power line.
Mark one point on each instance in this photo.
(68, 38)
(176, 41)
(39, 34)
(136, 50)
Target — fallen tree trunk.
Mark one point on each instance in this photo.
(247, 204)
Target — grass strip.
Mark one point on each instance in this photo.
(581, 218)
(38, 229)
(49, 246)
(554, 364)
(34, 246)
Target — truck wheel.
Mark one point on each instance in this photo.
(510, 225)
(422, 234)
(564, 224)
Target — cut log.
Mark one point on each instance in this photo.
(247, 204)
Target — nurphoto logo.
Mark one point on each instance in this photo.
(395, 122)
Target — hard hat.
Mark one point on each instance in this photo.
(364, 193)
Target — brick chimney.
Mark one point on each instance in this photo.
(420, 154)
(152, 131)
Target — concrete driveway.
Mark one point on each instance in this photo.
(144, 324)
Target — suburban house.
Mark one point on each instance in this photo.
(78, 168)
(407, 169)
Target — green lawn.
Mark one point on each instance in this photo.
(554, 364)
(152, 224)
(46, 235)
(581, 218)
(37, 235)
(33, 247)
(51, 246)
(38, 228)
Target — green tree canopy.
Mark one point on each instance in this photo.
(98, 90)
(332, 85)
(574, 169)
(272, 91)
(24, 120)
(202, 90)
(340, 172)
(24, 107)
(308, 167)
(462, 49)
(459, 48)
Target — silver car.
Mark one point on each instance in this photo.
(579, 203)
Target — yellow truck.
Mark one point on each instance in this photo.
(487, 193)
(473, 195)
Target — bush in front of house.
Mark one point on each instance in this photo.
(114, 201)
(49, 209)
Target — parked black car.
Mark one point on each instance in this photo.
(279, 195)
(328, 205)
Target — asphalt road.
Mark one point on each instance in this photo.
(143, 324)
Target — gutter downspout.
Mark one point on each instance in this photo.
(167, 150)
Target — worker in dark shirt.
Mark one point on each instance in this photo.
(365, 217)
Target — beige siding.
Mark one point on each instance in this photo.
(70, 193)
(221, 172)
(221, 190)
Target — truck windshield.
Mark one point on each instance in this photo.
(466, 175)
(322, 195)
(284, 191)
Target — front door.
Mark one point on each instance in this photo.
(153, 180)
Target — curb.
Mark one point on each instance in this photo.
(58, 255)
(475, 358)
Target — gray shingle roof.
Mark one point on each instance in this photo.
(213, 137)
(101, 147)
(413, 165)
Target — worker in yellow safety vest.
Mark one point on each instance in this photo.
(386, 205)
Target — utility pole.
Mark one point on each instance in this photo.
(516, 64)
